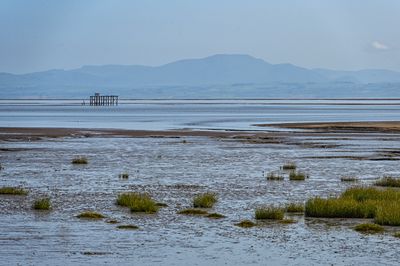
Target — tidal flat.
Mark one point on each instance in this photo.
(234, 166)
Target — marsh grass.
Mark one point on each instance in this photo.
(123, 175)
(112, 221)
(289, 166)
(42, 204)
(128, 227)
(397, 234)
(246, 224)
(295, 207)
(388, 213)
(339, 208)
(80, 160)
(359, 202)
(215, 215)
(137, 202)
(205, 200)
(269, 212)
(193, 212)
(297, 176)
(362, 194)
(348, 179)
(369, 228)
(13, 191)
(272, 176)
(388, 181)
(90, 215)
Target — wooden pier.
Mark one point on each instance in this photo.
(99, 100)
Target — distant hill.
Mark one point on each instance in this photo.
(170, 80)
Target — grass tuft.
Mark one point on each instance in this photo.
(388, 213)
(80, 160)
(289, 166)
(90, 215)
(275, 177)
(205, 200)
(359, 202)
(128, 227)
(388, 181)
(348, 179)
(13, 191)
(369, 228)
(269, 212)
(123, 176)
(42, 204)
(112, 221)
(295, 207)
(137, 202)
(339, 208)
(297, 176)
(215, 215)
(246, 224)
(193, 212)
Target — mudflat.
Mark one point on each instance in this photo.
(386, 126)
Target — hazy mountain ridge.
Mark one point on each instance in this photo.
(212, 71)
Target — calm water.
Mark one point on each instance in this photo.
(194, 114)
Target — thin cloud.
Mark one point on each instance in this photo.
(379, 46)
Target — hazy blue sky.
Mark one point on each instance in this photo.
(340, 34)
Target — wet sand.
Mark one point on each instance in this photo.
(173, 171)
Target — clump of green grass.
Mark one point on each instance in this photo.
(123, 175)
(359, 202)
(297, 176)
(215, 215)
(339, 208)
(90, 215)
(269, 212)
(369, 228)
(193, 212)
(137, 202)
(289, 166)
(205, 200)
(246, 224)
(13, 191)
(42, 204)
(388, 181)
(80, 160)
(362, 194)
(397, 234)
(295, 207)
(112, 221)
(128, 227)
(388, 213)
(348, 179)
(274, 177)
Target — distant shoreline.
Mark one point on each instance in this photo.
(33, 133)
(370, 126)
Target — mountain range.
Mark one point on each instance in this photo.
(224, 71)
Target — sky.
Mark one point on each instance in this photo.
(37, 35)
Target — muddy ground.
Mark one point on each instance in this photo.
(173, 168)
